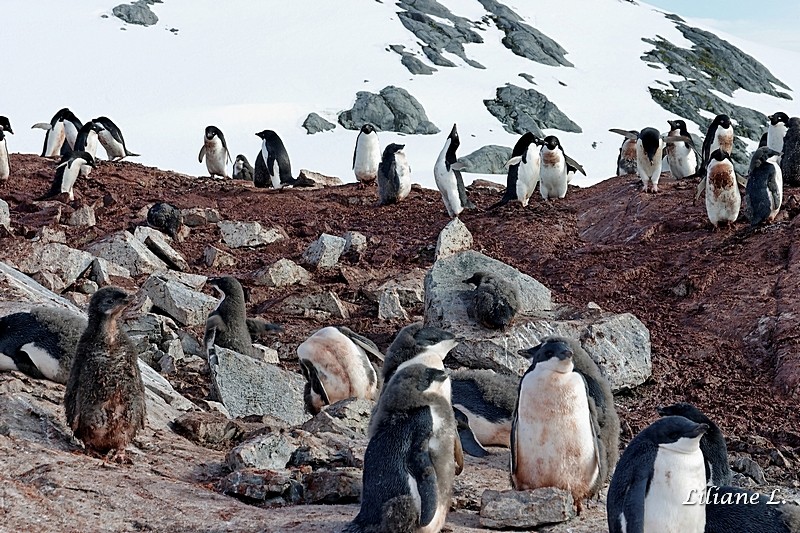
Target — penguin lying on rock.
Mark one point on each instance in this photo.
(495, 301)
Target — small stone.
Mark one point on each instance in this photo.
(87, 287)
(525, 509)
(82, 217)
(47, 234)
(349, 418)
(264, 452)
(240, 234)
(265, 354)
(200, 216)
(340, 486)
(174, 349)
(389, 307)
(102, 271)
(325, 251)
(190, 345)
(454, 238)
(355, 242)
(326, 302)
(320, 180)
(267, 486)
(282, 273)
(81, 300)
(167, 364)
(216, 258)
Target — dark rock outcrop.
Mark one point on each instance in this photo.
(393, 109)
(315, 124)
(137, 12)
(490, 159)
(412, 62)
(522, 110)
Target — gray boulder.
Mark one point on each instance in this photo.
(125, 250)
(186, 306)
(325, 251)
(240, 234)
(393, 109)
(525, 509)
(5, 215)
(282, 273)
(354, 242)
(102, 271)
(489, 159)
(262, 485)
(136, 13)
(200, 216)
(324, 304)
(412, 62)
(83, 216)
(454, 238)
(315, 124)
(389, 307)
(522, 110)
(264, 452)
(59, 260)
(159, 244)
(349, 418)
(216, 258)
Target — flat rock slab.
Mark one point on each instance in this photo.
(454, 238)
(325, 251)
(186, 306)
(58, 259)
(525, 509)
(125, 250)
(241, 234)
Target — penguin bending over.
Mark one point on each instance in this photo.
(215, 151)
(417, 344)
(276, 161)
(67, 173)
(776, 131)
(335, 363)
(87, 141)
(626, 160)
(367, 155)
(555, 170)
(723, 199)
(523, 171)
(660, 469)
(105, 398)
(681, 155)
(40, 343)
(408, 466)
(165, 218)
(111, 138)
(495, 300)
(242, 169)
(62, 130)
(228, 325)
(650, 154)
(764, 186)
(449, 180)
(394, 175)
(5, 164)
(719, 136)
(790, 161)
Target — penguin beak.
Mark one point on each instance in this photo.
(698, 430)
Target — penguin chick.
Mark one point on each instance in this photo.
(228, 323)
(417, 344)
(495, 300)
(336, 366)
(394, 175)
(166, 218)
(790, 161)
(408, 465)
(104, 398)
(764, 186)
(40, 343)
(367, 155)
(242, 170)
(215, 151)
(67, 173)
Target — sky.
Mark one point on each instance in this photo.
(769, 22)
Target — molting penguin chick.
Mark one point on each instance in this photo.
(276, 162)
(408, 464)
(394, 175)
(449, 180)
(367, 155)
(67, 173)
(336, 366)
(723, 199)
(495, 300)
(778, 125)
(5, 165)
(764, 186)
(661, 467)
(112, 140)
(417, 344)
(40, 343)
(166, 218)
(681, 156)
(242, 169)
(626, 160)
(523, 171)
(228, 326)
(104, 398)
(790, 161)
(215, 151)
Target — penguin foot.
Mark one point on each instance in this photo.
(119, 457)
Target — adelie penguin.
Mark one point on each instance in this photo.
(626, 160)
(447, 173)
(367, 155)
(790, 160)
(661, 467)
(105, 398)
(67, 173)
(408, 465)
(719, 136)
(523, 171)
(62, 130)
(681, 156)
(276, 161)
(578, 447)
(5, 163)
(495, 301)
(165, 218)
(650, 154)
(111, 138)
(242, 169)
(5, 125)
(764, 186)
(394, 175)
(87, 141)
(556, 169)
(335, 362)
(215, 152)
(41, 342)
(723, 199)
(776, 131)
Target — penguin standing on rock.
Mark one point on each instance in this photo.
(40, 343)
(660, 469)
(778, 125)
(417, 344)
(556, 170)
(394, 175)
(276, 161)
(723, 199)
(408, 465)
(67, 172)
(764, 186)
(681, 156)
(367, 155)
(62, 130)
(242, 169)
(790, 161)
(165, 218)
(104, 398)
(626, 160)
(495, 300)
(215, 151)
(112, 140)
(449, 180)
(5, 163)
(523, 171)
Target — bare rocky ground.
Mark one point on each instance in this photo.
(722, 309)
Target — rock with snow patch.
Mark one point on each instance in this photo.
(282, 273)
(454, 238)
(525, 509)
(393, 109)
(239, 234)
(412, 62)
(123, 249)
(325, 251)
(186, 306)
(522, 110)
(316, 124)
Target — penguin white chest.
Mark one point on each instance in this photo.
(723, 199)
(649, 170)
(682, 160)
(55, 139)
(677, 478)
(5, 168)
(528, 175)
(216, 157)
(448, 187)
(91, 143)
(274, 172)
(403, 171)
(775, 135)
(776, 199)
(552, 174)
(367, 157)
(113, 148)
(70, 176)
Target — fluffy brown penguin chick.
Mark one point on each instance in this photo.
(104, 399)
(495, 300)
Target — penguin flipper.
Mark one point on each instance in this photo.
(42, 126)
(577, 167)
(625, 133)
(202, 154)
(362, 342)
(257, 327)
(466, 203)
(312, 375)
(469, 443)
(420, 466)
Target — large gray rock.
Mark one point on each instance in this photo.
(239, 234)
(454, 238)
(282, 273)
(393, 109)
(83, 216)
(264, 452)
(216, 258)
(249, 387)
(136, 13)
(525, 509)
(522, 110)
(349, 418)
(412, 62)
(5, 215)
(159, 244)
(186, 306)
(319, 304)
(489, 159)
(389, 307)
(200, 216)
(325, 251)
(65, 263)
(125, 250)
(315, 124)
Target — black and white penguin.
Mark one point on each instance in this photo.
(242, 169)
(5, 163)
(215, 151)
(447, 173)
(495, 301)
(87, 141)
(336, 365)
(764, 186)
(276, 160)
(408, 465)
(626, 160)
(659, 470)
(5, 125)
(563, 378)
(67, 172)
(790, 160)
(681, 155)
(778, 125)
(417, 344)
(228, 324)
(105, 398)
(112, 140)
(62, 130)
(394, 175)
(718, 136)
(556, 169)
(40, 343)
(723, 199)
(367, 155)
(165, 218)
(523, 171)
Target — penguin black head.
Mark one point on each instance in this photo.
(450, 156)
(390, 150)
(86, 156)
(2, 135)
(5, 125)
(367, 128)
(683, 409)
(673, 431)
(794, 123)
(679, 125)
(651, 140)
(722, 120)
(552, 142)
(212, 131)
(431, 336)
(761, 156)
(242, 158)
(228, 286)
(418, 378)
(524, 142)
(778, 117)
(108, 301)
(551, 348)
(94, 126)
(719, 155)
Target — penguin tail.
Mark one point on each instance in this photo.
(130, 154)
(469, 204)
(258, 327)
(303, 181)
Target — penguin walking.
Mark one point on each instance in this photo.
(417, 344)
(556, 168)
(650, 154)
(408, 465)
(626, 160)
(40, 343)
(495, 300)
(681, 155)
(215, 151)
(67, 172)
(5, 163)
(523, 171)
(723, 199)
(790, 161)
(5, 124)
(367, 155)
(449, 180)
(394, 175)
(242, 169)
(577, 449)
(718, 136)
(336, 365)
(87, 141)
(776, 131)
(62, 130)
(166, 218)
(276, 160)
(112, 140)
(104, 398)
(764, 186)
(659, 471)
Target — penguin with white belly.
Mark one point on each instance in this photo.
(215, 152)
(447, 173)
(523, 171)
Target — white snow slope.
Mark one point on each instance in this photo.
(246, 66)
